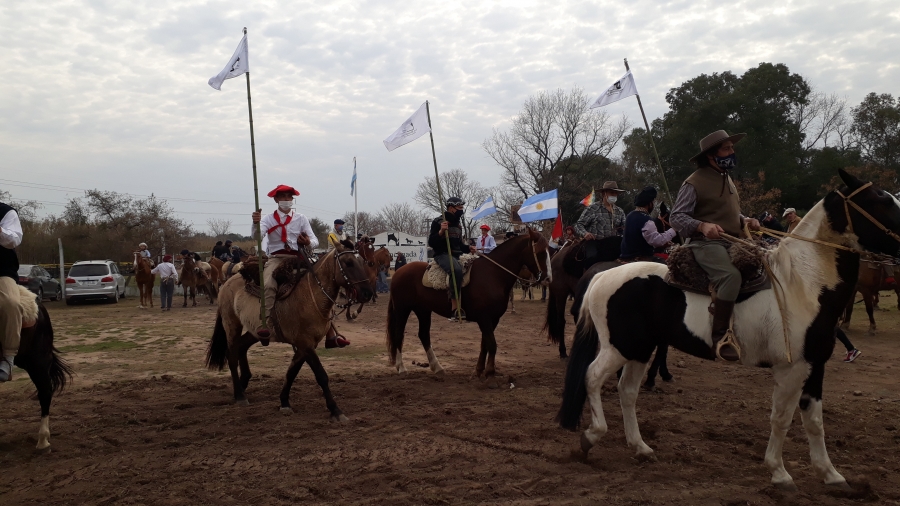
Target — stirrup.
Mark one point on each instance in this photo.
(728, 339)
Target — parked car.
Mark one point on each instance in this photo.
(94, 279)
(39, 281)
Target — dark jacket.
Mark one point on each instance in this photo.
(220, 250)
(400, 262)
(633, 243)
(439, 243)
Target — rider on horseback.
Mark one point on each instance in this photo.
(708, 205)
(337, 235)
(286, 231)
(600, 220)
(144, 252)
(641, 236)
(10, 315)
(448, 225)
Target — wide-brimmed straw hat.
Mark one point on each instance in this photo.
(714, 139)
(611, 186)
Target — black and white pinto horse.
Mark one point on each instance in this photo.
(615, 329)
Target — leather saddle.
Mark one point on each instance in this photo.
(438, 279)
(287, 275)
(686, 274)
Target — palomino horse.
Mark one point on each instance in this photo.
(210, 281)
(872, 279)
(144, 280)
(229, 269)
(40, 359)
(616, 328)
(568, 267)
(483, 300)
(304, 317)
(216, 265)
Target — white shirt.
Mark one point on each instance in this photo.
(145, 253)
(10, 230)
(299, 224)
(165, 270)
(485, 244)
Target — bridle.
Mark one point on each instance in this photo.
(348, 283)
(860, 210)
(520, 278)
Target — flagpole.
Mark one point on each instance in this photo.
(355, 202)
(652, 144)
(437, 178)
(259, 252)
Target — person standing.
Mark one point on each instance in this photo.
(337, 235)
(707, 206)
(442, 227)
(485, 243)
(168, 277)
(10, 316)
(791, 219)
(287, 231)
(399, 262)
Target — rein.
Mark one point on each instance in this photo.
(520, 278)
(350, 284)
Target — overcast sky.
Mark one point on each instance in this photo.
(113, 95)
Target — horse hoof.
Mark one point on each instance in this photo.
(840, 485)
(339, 418)
(787, 486)
(286, 410)
(242, 402)
(42, 451)
(492, 383)
(668, 379)
(649, 387)
(440, 374)
(586, 445)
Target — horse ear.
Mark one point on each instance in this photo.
(850, 180)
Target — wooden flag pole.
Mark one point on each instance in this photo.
(355, 202)
(443, 202)
(662, 174)
(259, 252)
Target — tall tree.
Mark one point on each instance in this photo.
(403, 217)
(218, 226)
(876, 124)
(369, 223)
(454, 183)
(321, 231)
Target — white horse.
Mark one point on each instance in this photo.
(818, 281)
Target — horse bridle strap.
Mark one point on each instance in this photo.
(860, 210)
(519, 278)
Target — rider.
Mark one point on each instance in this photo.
(485, 243)
(448, 225)
(641, 236)
(144, 252)
(221, 251)
(602, 219)
(707, 206)
(10, 315)
(287, 231)
(337, 235)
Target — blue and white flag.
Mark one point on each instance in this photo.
(353, 181)
(486, 209)
(543, 206)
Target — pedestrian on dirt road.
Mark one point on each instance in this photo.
(168, 277)
(10, 316)
(852, 352)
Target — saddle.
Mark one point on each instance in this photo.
(583, 254)
(686, 274)
(287, 275)
(438, 279)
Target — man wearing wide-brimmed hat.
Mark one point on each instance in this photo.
(604, 218)
(707, 206)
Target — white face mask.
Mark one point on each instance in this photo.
(285, 205)
(612, 199)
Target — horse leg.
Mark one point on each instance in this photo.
(848, 311)
(425, 336)
(811, 415)
(193, 297)
(512, 300)
(233, 360)
(607, 361)
(40, 376)
(322, 379)
(868, 298)
(662, 355)
(184, 290)
(293, 369)
(629, 385)
(488, 351)
(149, 289)
(244, 364)
(788, 387)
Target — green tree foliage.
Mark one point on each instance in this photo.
(876, 125)
(321, 231)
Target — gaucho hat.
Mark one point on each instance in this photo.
(714, 139)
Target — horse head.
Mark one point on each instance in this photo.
(351, 272)
(873, 213)
(537, 258)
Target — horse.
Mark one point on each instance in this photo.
(40, 359)
(568, 267)
(231, 268)
(366, 251)
(188, 278)
(144, 279)
(483, 300)
(217, 264)
(392, 237)
(615, 328)
(211, 284)
(303, 324)
(872, 279)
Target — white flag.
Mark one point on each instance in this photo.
(237, 65)
(620, 89)
(411, 129)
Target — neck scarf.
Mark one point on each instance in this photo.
(282, 226)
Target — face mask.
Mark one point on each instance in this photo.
(285, 205)
(339, 228)
(459, 213)
(727, 162)
(612, 200)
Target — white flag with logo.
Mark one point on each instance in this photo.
(237, 65)
(620, 89)
(411, 129)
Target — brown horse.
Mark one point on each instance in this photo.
(211, 285)
(483, 300)
(383, 258)
(872, 279)
(144, 279)
(303, 324)
(217, 264)
(189, 279)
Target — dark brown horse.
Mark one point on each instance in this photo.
(484, 300)
(872, 279)
(189, 279)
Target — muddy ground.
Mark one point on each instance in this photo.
(145, 423)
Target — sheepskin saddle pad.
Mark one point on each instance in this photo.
(28, 307)
(436, 278)
(686, 274)
(287, 275)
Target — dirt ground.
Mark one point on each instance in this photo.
(145, 423)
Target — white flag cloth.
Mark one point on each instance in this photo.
(543, 206)
(237, 65)
(486, 209)
(620, 89)
(411, 129)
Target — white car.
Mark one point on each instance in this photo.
(94, 279)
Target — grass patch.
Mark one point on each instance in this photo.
(111, 345)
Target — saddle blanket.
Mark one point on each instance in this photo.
(686, 274)
(28, 307)
(287, 275)
(436, 278)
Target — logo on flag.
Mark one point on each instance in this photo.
(410, 130)
(620, 89)
(543, 206)
(238, 64)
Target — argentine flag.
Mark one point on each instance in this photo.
(543, 206)
(486, 209)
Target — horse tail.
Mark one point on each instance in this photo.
(583, 353)
(217, 352)
(555, 323)
(394, 332)
(60, 370)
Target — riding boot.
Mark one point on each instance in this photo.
(721, 324)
